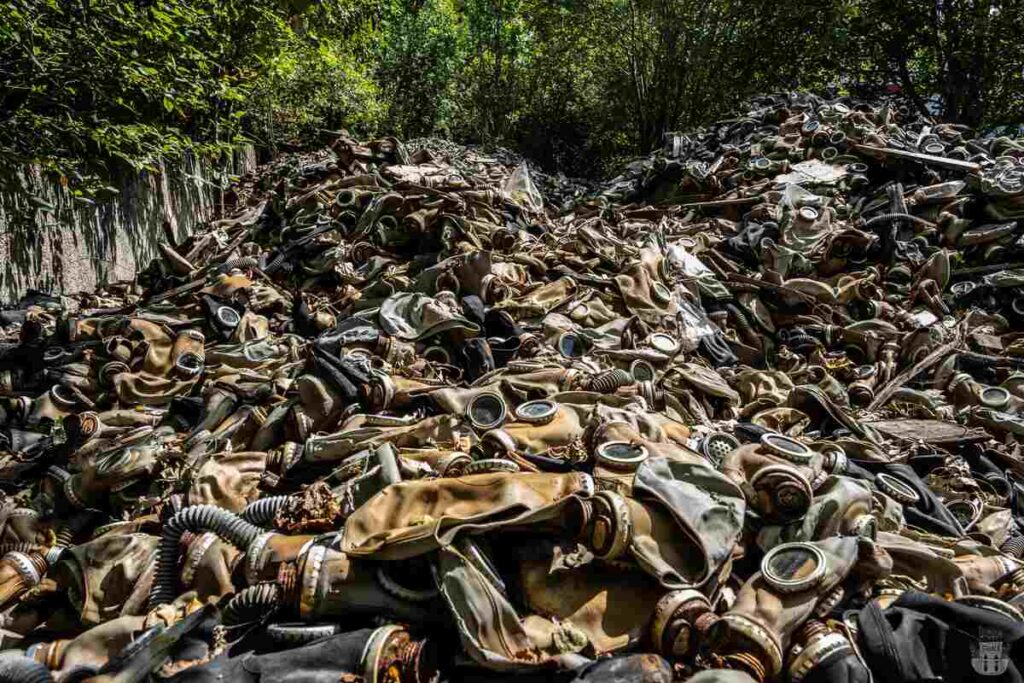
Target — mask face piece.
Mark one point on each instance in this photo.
(756, 384)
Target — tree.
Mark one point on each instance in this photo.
(960, 58)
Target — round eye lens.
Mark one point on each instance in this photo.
(491, 465)
(865, 371)
(189, 363)
(792, 567)
(809, 213)
(793, 564)
(963, 288)
(787, 448)
(1018, 305)
(63, 395)
(570, 345)
(762, 163)
(111, 370)
(437, 354)
(228, 317)
(995, 398)
(963, 511)
(541, 411)
(642, 371)
(619, 451)
(934, 148)
(535, 410)
(664, 343)
(621, 454)
(487, 411)
(811, 125)
(661, 292)
(857, 167)
(897, 489)
(993, 605)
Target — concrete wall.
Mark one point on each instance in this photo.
(52, 242)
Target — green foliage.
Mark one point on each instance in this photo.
(419, 52)
(318, 78)
(88, 87)
(309, 88)
(965, 57)
(501, 47)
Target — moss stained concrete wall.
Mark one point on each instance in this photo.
(51, 242)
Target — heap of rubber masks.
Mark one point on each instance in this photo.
(752, 412)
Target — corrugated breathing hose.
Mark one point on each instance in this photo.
(226, 525)
(610, 380)
(262, 512)
(241, 263)
(15, 667)
(1014, 546)
(252, 603)
(744, 326)
(891, 217)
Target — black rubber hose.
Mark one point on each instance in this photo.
(610, 380)
(335, 377)
(252, 604)
(17, 668)
(227, 525)
(276, 262)
(744, 326)
(242, 262)
(262, 512)
(889, 217)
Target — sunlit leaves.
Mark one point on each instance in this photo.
(87, 88)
